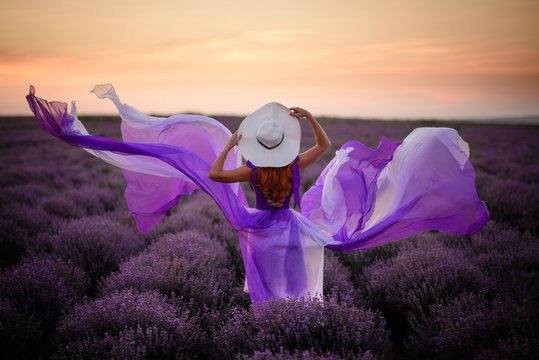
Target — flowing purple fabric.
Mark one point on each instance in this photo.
(363, 198)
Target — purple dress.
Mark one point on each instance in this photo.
(363, 198)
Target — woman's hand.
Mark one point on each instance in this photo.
(233, 141)
(299, 113)
(322, 141)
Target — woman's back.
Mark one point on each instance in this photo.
(274, 186)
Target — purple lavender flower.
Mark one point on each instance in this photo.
(96, 244)
(337, 284)
(188, 264)
(422, 274)
(299, 324)
(357, 261)
(509, 258)
(472, 327)
(32, 219)
(93, 200)
(130, 324)
(510, 200)
(27, 194)
(305, 355)
(34, 296)
(62, 207)
(201, 214)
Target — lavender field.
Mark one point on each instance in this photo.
(78, 281)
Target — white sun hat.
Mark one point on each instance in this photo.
(270, 136)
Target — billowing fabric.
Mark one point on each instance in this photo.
(363, 198)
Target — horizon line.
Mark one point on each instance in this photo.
(499, 119)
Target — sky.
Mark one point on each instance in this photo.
(383, 59)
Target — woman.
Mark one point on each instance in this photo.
(364, 197)
(280, 260)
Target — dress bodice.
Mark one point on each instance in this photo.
(262, 203)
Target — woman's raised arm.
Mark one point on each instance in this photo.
(216, 173)
(322, 140)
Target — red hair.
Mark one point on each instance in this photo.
(275, 184)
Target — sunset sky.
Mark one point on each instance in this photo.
(357, 58)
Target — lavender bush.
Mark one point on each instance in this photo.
(513, 201)
(304, 355)
(21, 335)
(188, 264)
(299, 324)
(33, 219)
(130, 325)
(423, 274)
(337, 284)
(356, 261)
(62, 207)
(199, 213)
(21, 220)
(93, 200)
(34, 296)
(96, 244)
(39, 173)
(23, 194)
(472, 327)
(507, 257)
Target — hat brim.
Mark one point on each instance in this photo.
(279, 156)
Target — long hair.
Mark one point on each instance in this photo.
(275, 184)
